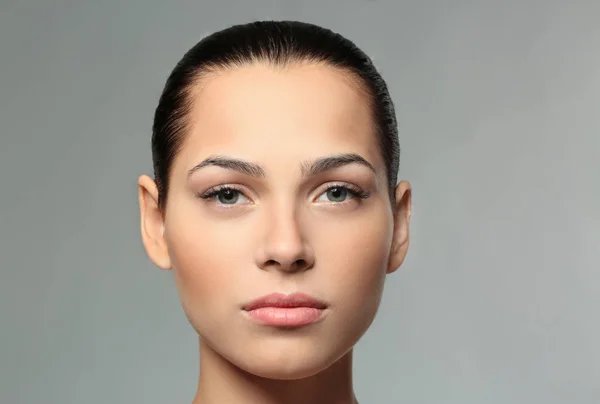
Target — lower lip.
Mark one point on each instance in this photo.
(286, 317)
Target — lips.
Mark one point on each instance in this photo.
(285, 301)
(280, 310)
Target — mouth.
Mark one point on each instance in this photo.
(288, 311)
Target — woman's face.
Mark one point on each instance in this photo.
(251, 212)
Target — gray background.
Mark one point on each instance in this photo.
(498, 103)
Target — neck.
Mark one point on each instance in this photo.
(222, 382)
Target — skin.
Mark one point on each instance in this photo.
(285, 233)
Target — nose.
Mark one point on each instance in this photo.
(284, 248)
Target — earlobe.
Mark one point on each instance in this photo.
(402, 212)
(152, 223)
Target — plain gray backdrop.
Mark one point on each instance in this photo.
(499, 118)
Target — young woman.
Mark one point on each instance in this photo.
(275, 203)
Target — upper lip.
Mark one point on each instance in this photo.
(285, 301)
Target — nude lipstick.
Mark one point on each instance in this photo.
(280, 310)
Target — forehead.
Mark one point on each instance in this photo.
(261, 112)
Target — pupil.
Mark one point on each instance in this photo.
(337, 194)
(228, 196)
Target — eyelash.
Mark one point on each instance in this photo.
(351, 189)
(215, 191)
(212, 193)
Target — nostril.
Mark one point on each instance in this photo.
(299, 264)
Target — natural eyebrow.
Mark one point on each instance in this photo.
(308, 168)
(244, 167)
(328, 163)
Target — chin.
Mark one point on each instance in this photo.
(287, 360)
(278, 370)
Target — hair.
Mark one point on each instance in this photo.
(279, 44)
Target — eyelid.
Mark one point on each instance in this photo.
(333, 184)
(210, 192)
(355, 190)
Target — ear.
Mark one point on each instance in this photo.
(402, 211)
(152, 223)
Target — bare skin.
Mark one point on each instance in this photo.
(281, 229)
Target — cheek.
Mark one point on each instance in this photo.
(204, 268)
(357, 258)
(354, 274)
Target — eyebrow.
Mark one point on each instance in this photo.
(328, 163)
(308, 168)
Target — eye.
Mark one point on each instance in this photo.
(225, 195)
(342, 193)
